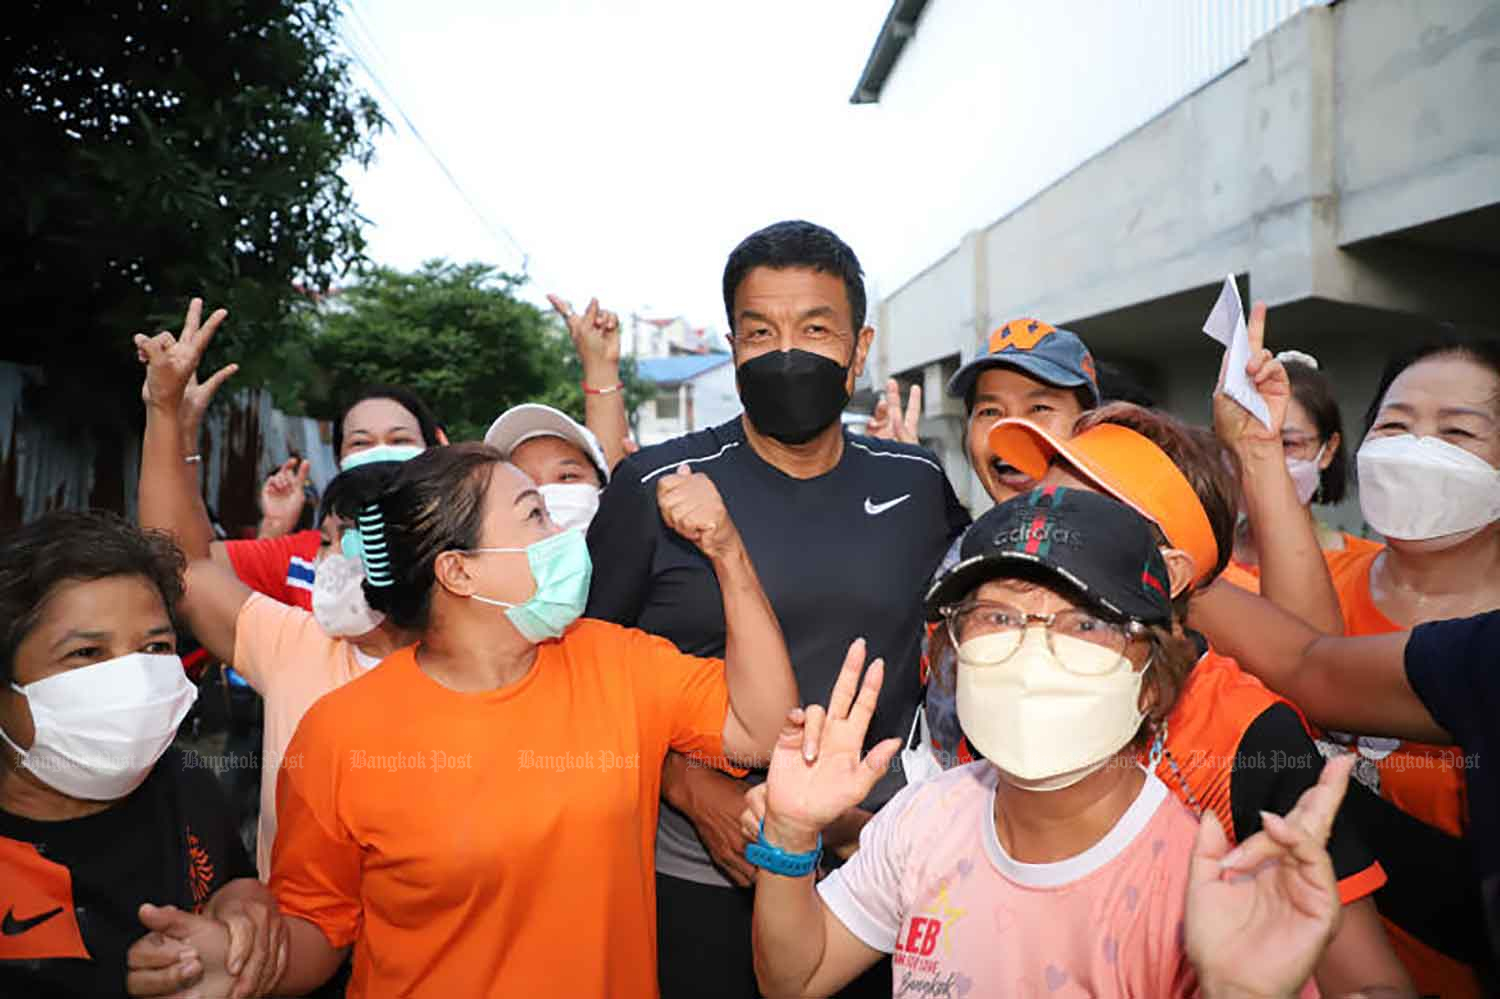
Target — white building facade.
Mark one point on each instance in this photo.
(1342, 160)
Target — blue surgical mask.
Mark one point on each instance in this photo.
(562, 570)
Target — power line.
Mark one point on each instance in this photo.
(495, 228)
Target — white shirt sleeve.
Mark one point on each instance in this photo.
(865, 894)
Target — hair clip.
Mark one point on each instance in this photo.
(372, 547)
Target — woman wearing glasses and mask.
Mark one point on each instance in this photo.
(1057, 864)
(1312, 437)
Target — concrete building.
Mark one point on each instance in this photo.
(693, 391)
(1343, 161)
(643, 337)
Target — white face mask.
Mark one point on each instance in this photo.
(101, 728)
(338, 599)
(570, 504)
(1305, 475)
(918, 759)
(1046, 728)
(1421, 488)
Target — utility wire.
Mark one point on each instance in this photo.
(495, 228)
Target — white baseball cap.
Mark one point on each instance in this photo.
(519, 424)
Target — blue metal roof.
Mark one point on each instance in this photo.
(676, 370)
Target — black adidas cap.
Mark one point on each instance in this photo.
(1094, 545)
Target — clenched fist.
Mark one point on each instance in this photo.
(690, 504)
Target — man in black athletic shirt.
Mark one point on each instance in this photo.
(845, 531)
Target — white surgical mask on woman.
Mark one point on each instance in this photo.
(570, 504)
(1421, 488)
(100, 729)
(338, 598)
(1306, 473)
(1047, 727)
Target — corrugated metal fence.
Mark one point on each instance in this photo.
(44, 466)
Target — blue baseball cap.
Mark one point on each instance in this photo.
(1035, 348)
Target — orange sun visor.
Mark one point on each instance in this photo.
(1128, 467)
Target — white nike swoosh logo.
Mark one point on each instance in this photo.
(876, 508)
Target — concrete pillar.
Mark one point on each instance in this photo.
(1293, 191)
(980, 321)
(1293, 129)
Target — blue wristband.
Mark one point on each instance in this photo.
(767, 856)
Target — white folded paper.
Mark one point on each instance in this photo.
(1226, 324)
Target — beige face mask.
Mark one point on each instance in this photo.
(1044, 726)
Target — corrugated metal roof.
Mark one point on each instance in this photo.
(44, 466)
(676, 370)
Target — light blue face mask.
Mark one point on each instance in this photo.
(380, 452)
(562, 570)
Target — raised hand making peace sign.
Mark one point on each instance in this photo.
(817, 773)
(172, 363)
(1234, 423)
(595, 334)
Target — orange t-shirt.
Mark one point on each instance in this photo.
(1247, 577)
(290, 661)
(1206, 742)
(1418, 778)
(1421, 780)
(498, 843)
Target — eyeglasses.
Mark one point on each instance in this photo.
(1299, 446)
(980, 618)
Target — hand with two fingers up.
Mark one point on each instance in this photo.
(1235, 425)
(818, 768)
(889, 422)
(283, 496)
(1259, 916)
(172, 366)
(596, 338)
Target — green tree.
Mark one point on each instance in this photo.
(458, 335)
(157, 150)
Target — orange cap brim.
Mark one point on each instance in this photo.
(1128, 467)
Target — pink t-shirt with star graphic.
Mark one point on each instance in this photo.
(932, 886)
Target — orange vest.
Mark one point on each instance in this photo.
(1420, 779)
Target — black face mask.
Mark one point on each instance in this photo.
(792, 395)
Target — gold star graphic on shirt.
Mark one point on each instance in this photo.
(947, 915)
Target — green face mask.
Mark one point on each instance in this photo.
(562, 570)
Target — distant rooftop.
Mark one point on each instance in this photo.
(676, 370)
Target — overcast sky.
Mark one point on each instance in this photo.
(627, 145)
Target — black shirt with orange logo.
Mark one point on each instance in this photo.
(70, 890)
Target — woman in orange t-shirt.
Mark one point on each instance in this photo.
(476, 817)
(1429, 476)
(1312, 436)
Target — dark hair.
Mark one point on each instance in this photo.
(1210, 467)
(796, 244)
(1485, 353)
(405, 398)
(1118, 384)
(352, 490)
(1173, 656)
(434, 504)
(1313, 393)
(66, 546)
